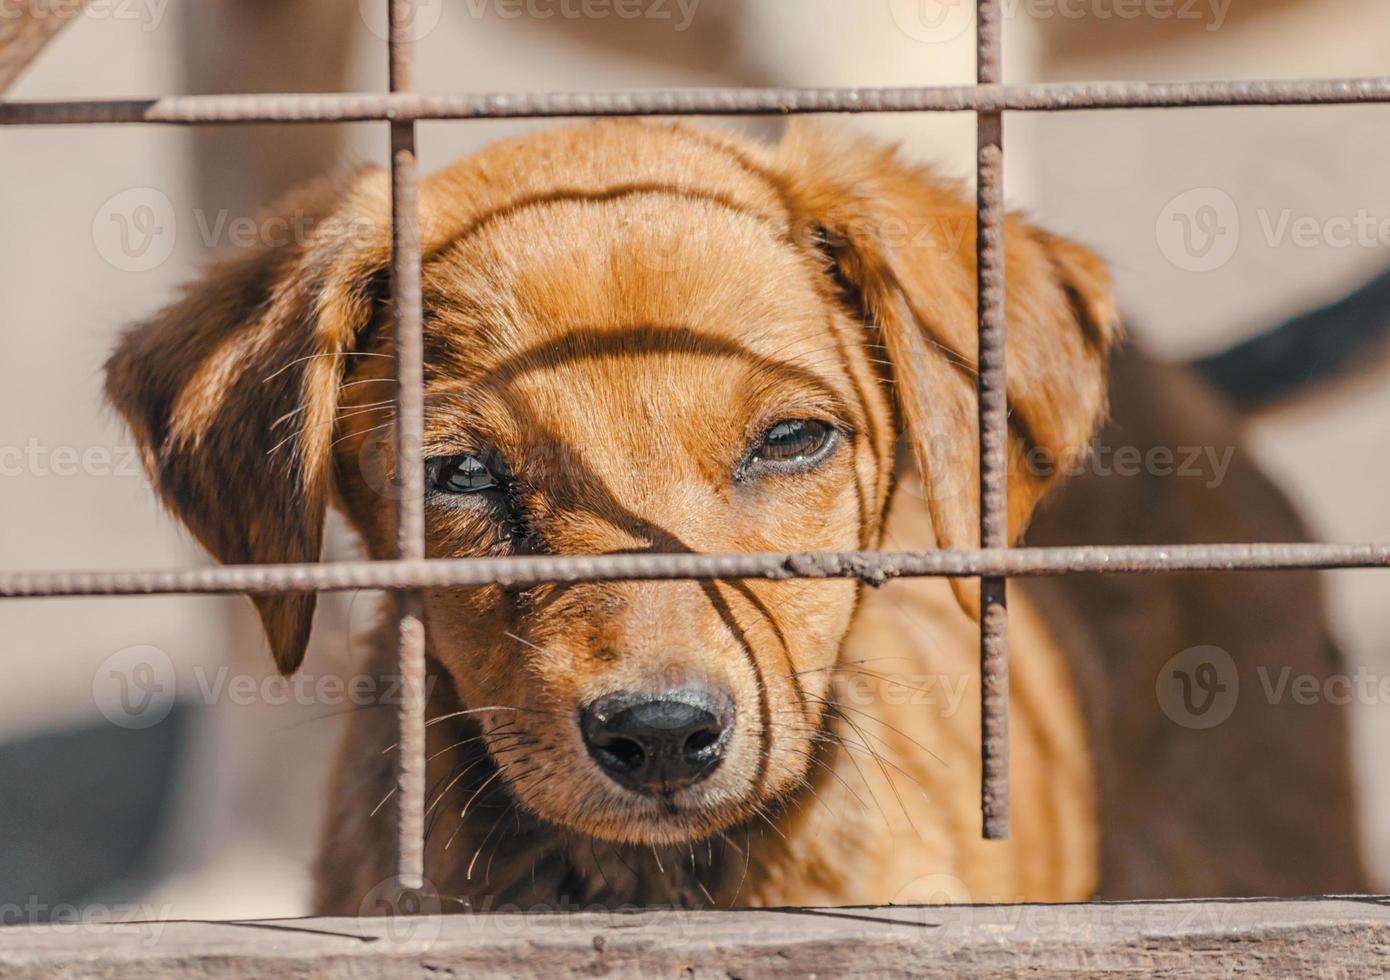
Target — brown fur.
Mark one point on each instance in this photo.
(617, 310)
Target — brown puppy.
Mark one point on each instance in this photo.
(646, 337)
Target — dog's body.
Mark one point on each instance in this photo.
(655, 338)
(1111, 797)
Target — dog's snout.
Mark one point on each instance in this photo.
(658, 743)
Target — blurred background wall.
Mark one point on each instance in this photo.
(131, 771)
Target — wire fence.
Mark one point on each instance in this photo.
(993, 563)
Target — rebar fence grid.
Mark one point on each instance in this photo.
(993, 562)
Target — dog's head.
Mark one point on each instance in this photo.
(638, 338)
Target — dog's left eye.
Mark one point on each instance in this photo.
(791, 444)
(461, 474)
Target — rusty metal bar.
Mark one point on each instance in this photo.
(407, 107)
(874, 567)
(994, 431)
(408, 340)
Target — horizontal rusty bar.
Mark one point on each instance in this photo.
(404, 107)
(874, 567)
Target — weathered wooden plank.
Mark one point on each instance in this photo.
(1259, 937)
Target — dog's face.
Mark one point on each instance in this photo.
(597, 399)
(638, 338)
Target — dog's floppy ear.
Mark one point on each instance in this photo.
(231, 391)
(902, 244)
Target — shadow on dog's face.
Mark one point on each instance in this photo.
(638, 338)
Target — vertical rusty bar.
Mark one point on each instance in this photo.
(406, 306)
(994, 425)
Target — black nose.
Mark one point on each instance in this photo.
(657, 743)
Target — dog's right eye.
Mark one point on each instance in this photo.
(461, 474)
